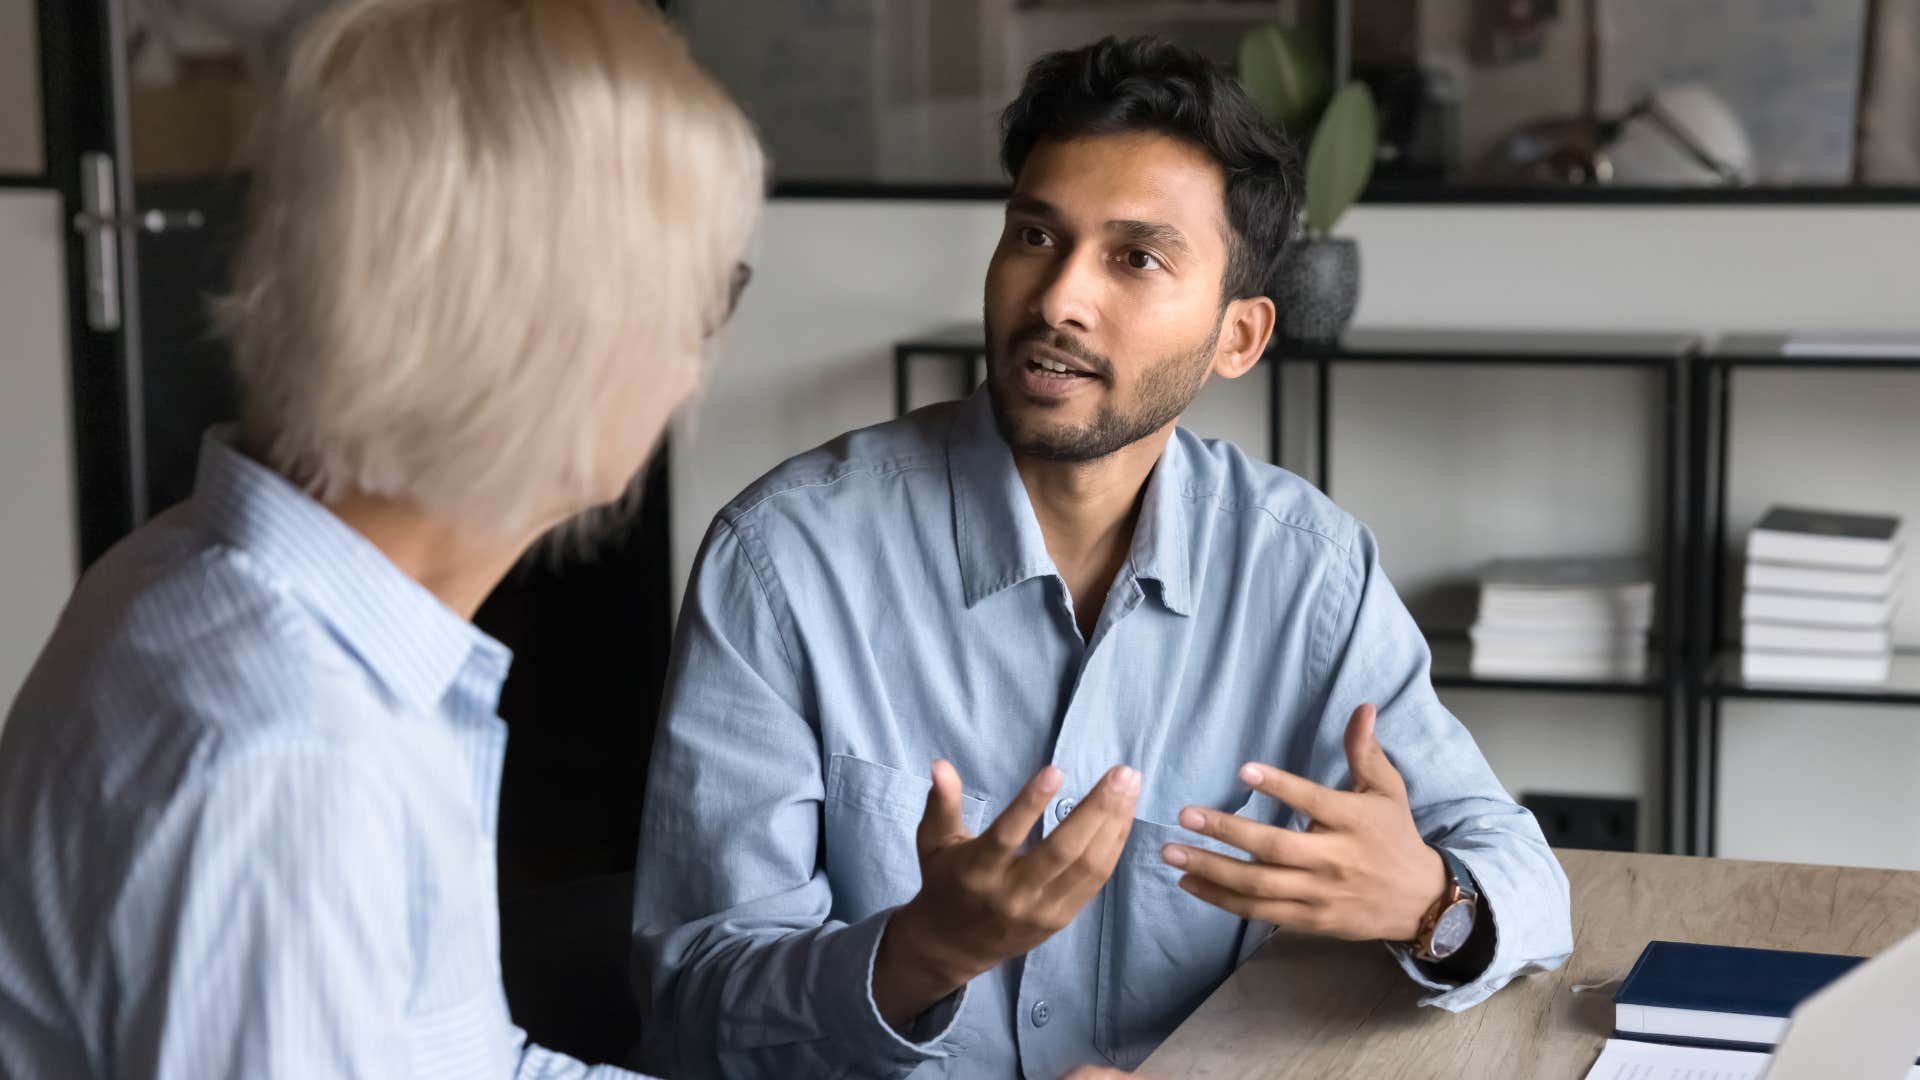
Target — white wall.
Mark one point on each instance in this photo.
(38, 546)
(1450, 466)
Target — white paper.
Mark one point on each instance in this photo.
(1626, 1059)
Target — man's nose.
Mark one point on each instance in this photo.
(1070, 298)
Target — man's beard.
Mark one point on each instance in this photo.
(1165, 391)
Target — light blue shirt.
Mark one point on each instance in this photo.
(887, 600)
(247, 805)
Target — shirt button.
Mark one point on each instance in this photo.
(1062, 809)
(1041, 1014)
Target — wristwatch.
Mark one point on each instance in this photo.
(1449, 922)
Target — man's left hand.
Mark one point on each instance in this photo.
(1361, 871)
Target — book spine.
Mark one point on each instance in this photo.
(1834, 552)
(1815, 611)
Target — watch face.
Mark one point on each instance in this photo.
(1453, 929)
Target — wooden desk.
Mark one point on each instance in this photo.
(1306, 1007)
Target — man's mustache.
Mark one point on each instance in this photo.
(1060, 342)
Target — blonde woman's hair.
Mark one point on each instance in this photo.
(477, 222)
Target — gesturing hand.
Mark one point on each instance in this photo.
(1361, 871)
(982, 900)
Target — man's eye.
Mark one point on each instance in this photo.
(1142, 260)
(1033, 237)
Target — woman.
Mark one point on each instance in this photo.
(247, 795)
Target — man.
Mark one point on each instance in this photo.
(1167, 692)
(248, 793)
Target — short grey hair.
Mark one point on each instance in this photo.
(476, 223)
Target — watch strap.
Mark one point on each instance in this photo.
(1458, 872)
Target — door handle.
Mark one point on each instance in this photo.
(100, 224)
(146, 221)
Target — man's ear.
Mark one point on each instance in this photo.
(1245, 330)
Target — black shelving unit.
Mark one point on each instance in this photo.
(1667, 355)
(1714, 660)
(963, 346)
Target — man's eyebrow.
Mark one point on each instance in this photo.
(1157, 233)
(1027, 204)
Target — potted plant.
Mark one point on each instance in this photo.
(1317, 285)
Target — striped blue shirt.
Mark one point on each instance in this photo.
(247, 807)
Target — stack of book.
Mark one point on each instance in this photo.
(1563, 619)
(1822, 589)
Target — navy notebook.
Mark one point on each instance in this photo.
(1717, 995)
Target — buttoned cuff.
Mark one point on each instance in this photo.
(1453, 996)
(868, 1036)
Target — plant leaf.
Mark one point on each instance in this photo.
(1341, 159)
(1285, 76)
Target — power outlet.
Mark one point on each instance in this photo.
(1578, 821)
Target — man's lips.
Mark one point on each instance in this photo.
(1040, 355)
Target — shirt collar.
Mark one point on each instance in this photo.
(412, 643)
(1160, 550)
(998, 539)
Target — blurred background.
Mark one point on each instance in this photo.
(1474, 94)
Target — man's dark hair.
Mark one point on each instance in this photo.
(1149, 84)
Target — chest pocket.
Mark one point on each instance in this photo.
(872, 814)
(1162, 950)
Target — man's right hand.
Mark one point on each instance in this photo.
(982, 900)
